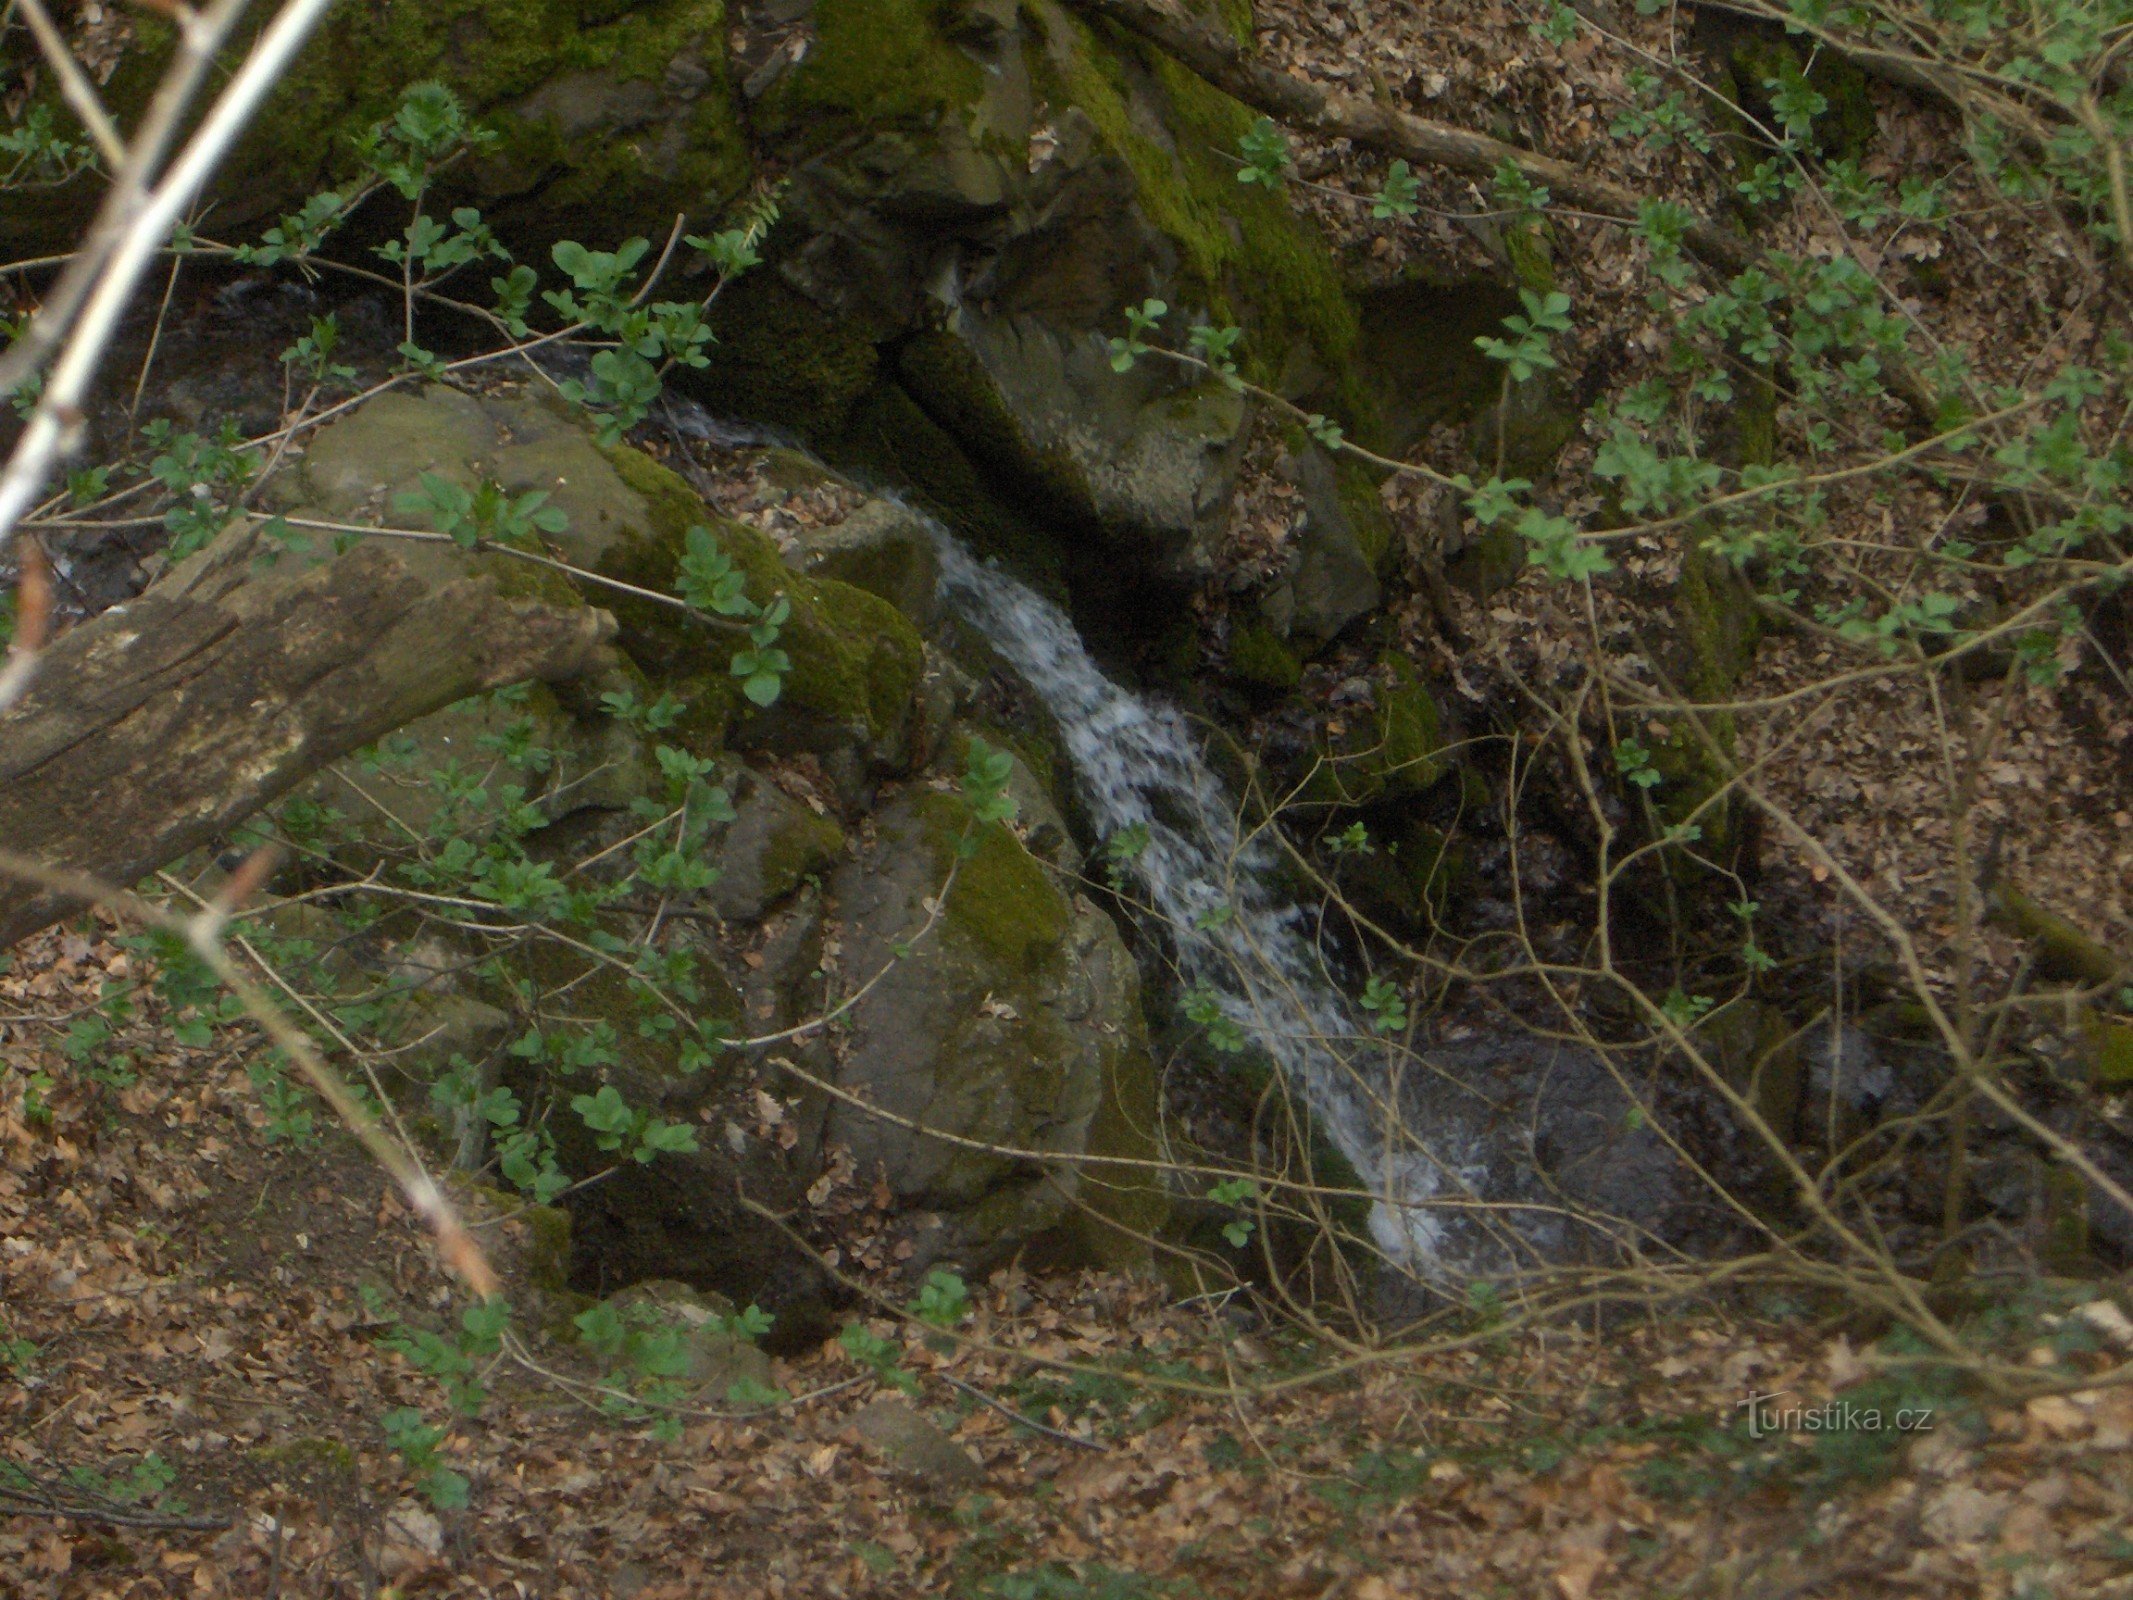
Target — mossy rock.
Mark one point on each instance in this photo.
(1410, 877)
(1758, 1052)
(784, 361)
(771, 847)
(613, 118)
(1344, 536)
(1399, 749)
(1259, 656)
(1014, 1023)
(856, 660)
(2109, 1048)
(1718, 625)
(1242, 251)
(2064, 954)
(1004, 902)
(873, 64)
(1146, 457)
(447, 775)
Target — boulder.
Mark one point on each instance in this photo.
(909, 1444)
(1344, 533)
(977, 190)
(856, 660)
(884, 548)
(1146, 455)
(1014, 1023)
(612, 116)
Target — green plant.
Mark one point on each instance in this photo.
(417, 1444)
(1121, 850)
(1236, 1192)
(1530, 348)
(943, 1300)
(1386, 1006)
(880, 1356)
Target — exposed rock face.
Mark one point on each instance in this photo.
(1013, 1021)
(613, 116)
(1016, 1024)
(999, 180)
(977, 190)
(1345, 531)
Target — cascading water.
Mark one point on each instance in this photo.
(1137, 765)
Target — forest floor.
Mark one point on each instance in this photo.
(192, 1301)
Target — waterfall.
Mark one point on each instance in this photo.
(1136, 765)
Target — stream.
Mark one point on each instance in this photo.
(1137, 765)
(1484, 1151)
(1209, 884)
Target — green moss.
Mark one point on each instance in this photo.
(1243, 251)
(1372, 523)
(1525, 426)
(1411, 741)
(1758, 1052)
(1526, 246)
(2064, 954)
(1258, 655)
(2066, 1221)
(547, 1259)
(878, 63)
(1237, 16)
(1719, 626)
(2110, 1053)
(592, 141)
(1433, 865)
(1417, 354)
(1003, 901)
(1400, 751)
(312, 1456)
(855, 657)
(1126, 1205)
(1719, 622)
(783, 361)
(803, 845)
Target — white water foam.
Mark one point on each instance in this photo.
(1136, 764)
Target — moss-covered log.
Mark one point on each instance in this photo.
(150, 731)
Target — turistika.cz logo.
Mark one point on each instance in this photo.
(1767, 1417)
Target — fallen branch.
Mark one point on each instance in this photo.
(38, 1500)
(154, 729)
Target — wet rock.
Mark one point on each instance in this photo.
(1144, 454)
(884, 549)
